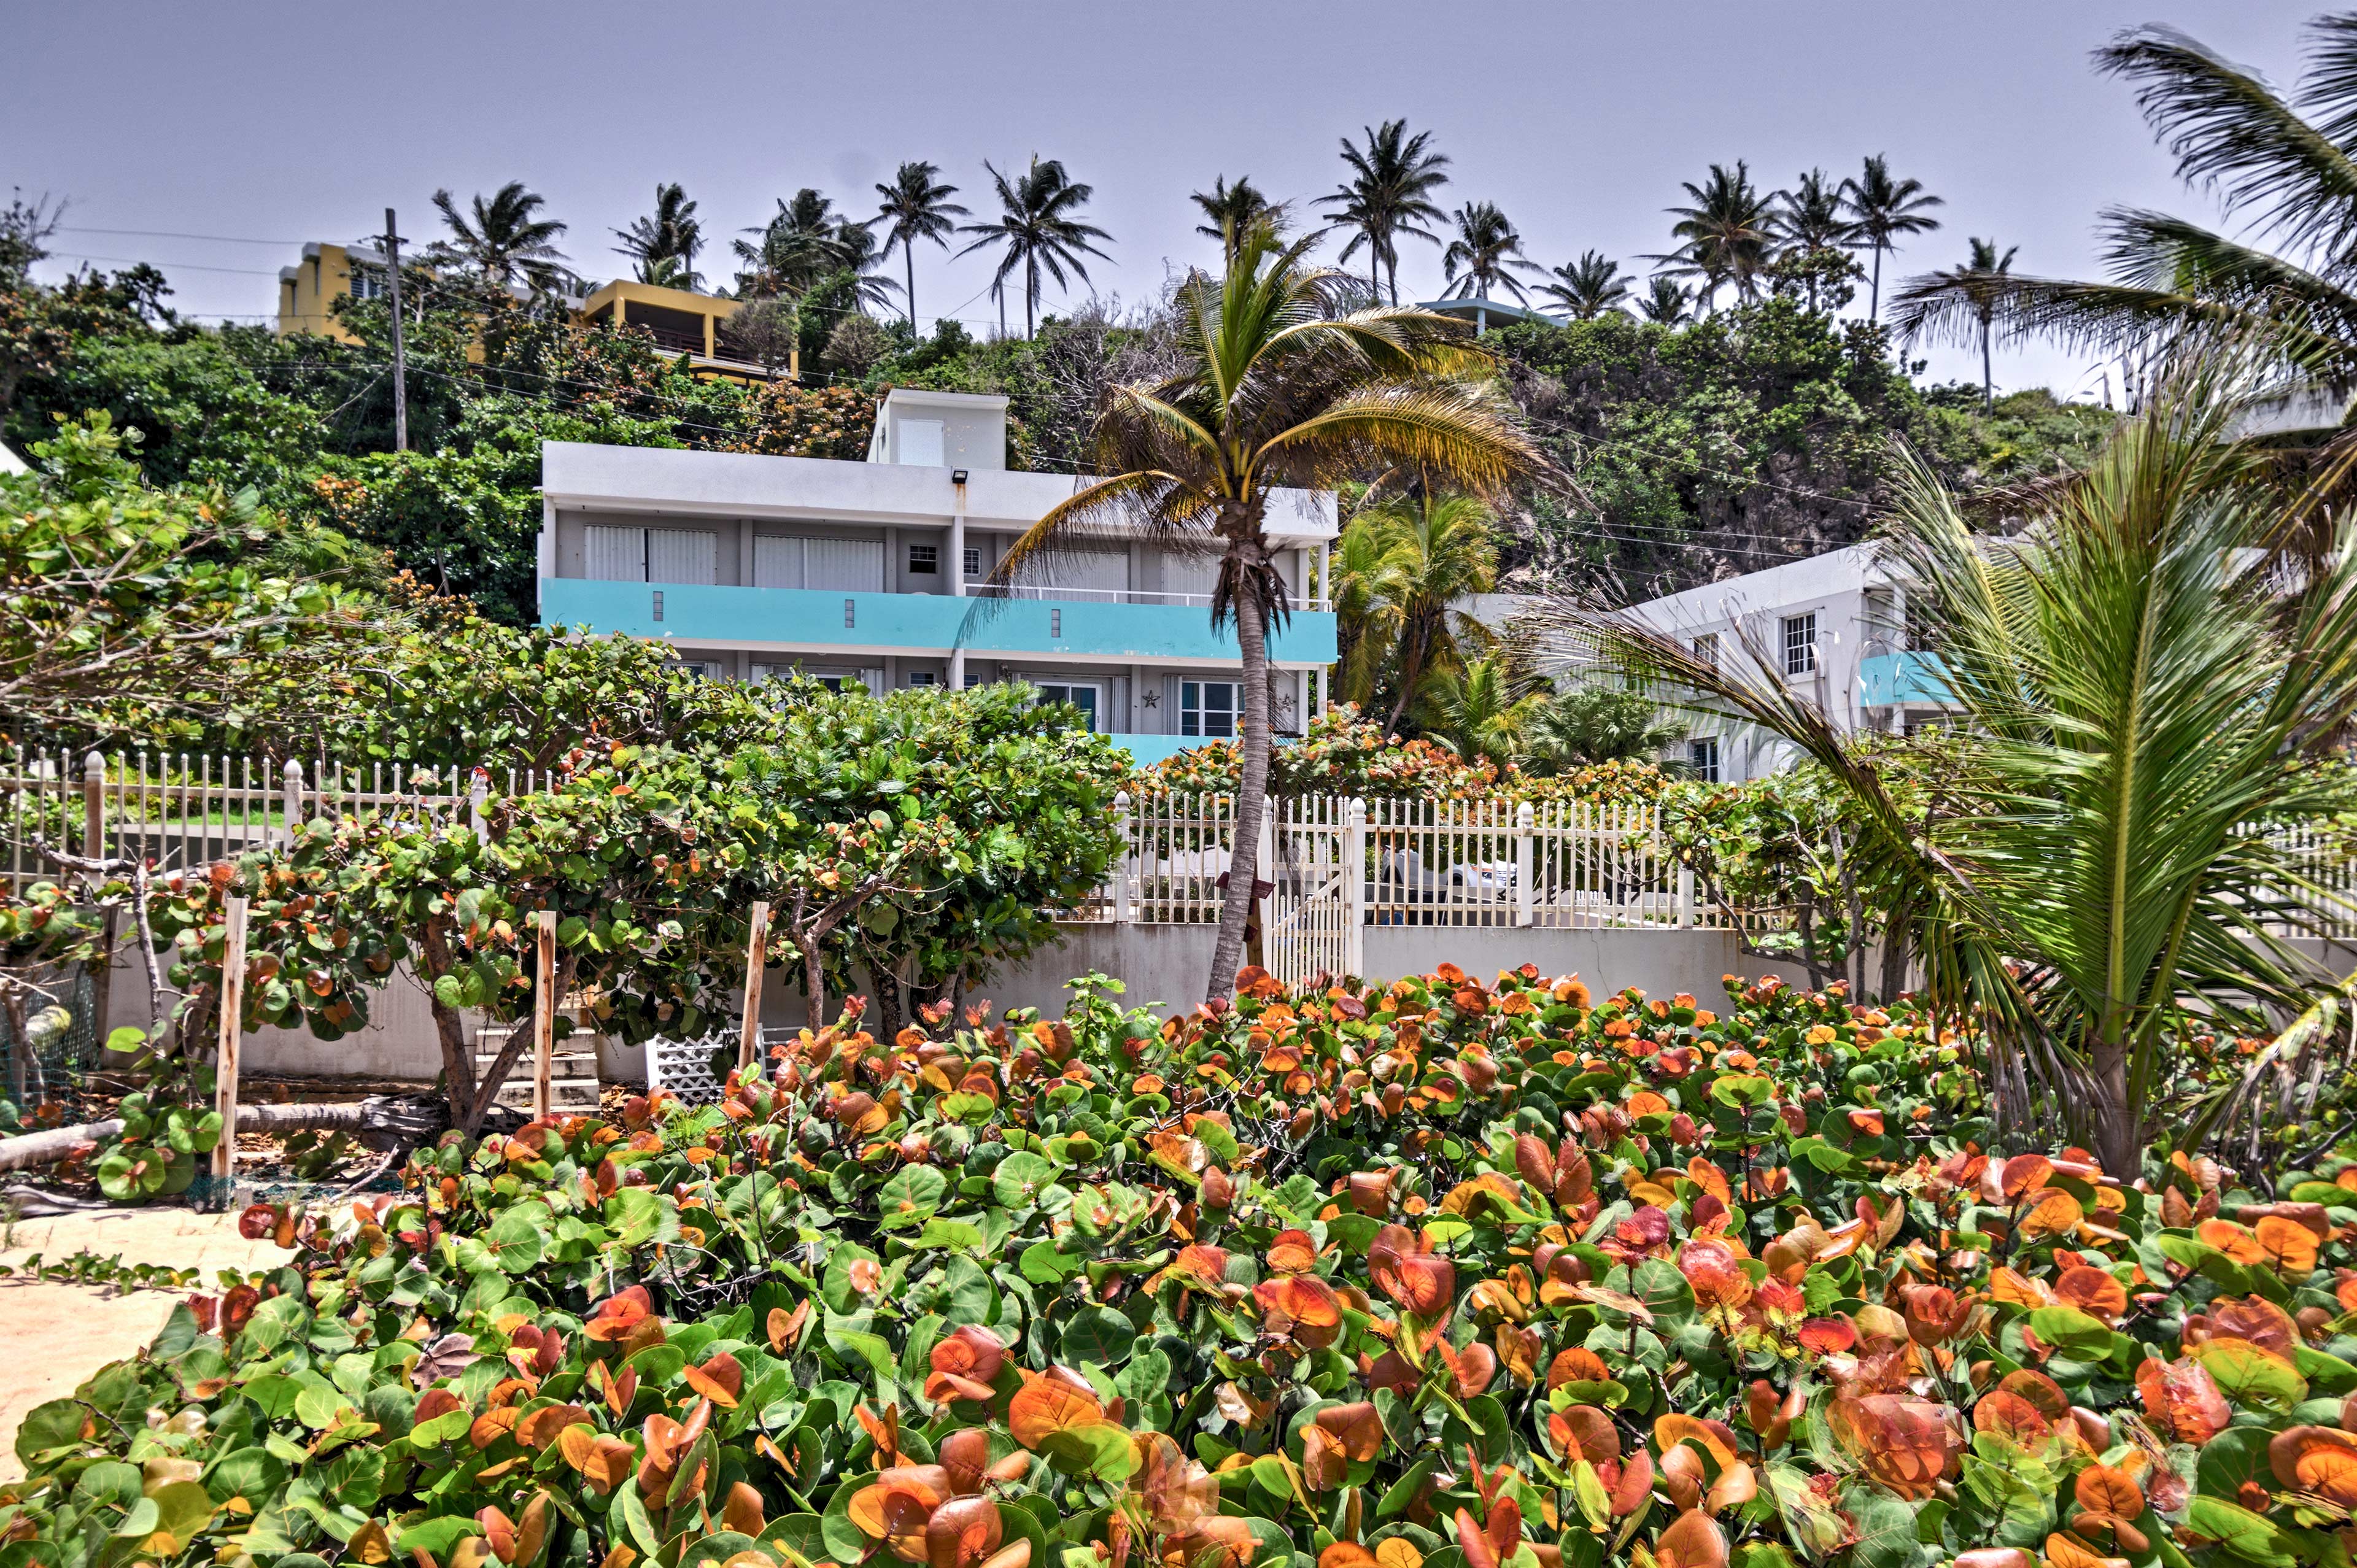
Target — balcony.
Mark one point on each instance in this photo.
(1098, 628)
(1902, 679)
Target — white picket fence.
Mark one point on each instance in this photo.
(175, 811)
(1331, 866)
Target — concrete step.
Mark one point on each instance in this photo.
(564, 1093)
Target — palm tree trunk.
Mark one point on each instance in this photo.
(1874, 291)
(1989, 381)
(1252, 800)
(1030, 297)
(909, 254)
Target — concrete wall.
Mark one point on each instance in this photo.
(1163, 968)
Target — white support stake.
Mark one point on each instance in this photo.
(757, 945)
(544, 1014)
(233, 1023)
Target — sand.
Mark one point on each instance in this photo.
(56, 1336)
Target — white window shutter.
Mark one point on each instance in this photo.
(777, 562)
(616, 554)
(689, 557)
(848, 565)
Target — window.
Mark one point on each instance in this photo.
(921, 678)
(973, 563)
(1055, 623)
(368, 282)
(924, 560)
(1701, 756)
(920, 442)
(1801, 644)
(658, 604)
(1705, 648)
(850, 615)
(679, 555)
(1081, 697)
(1209, 707)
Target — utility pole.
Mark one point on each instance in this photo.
(399, 366)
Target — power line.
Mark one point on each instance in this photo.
(183, 266)
(170, 234)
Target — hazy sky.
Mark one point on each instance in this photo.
(276, 124)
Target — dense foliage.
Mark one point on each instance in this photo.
(1434, 1273)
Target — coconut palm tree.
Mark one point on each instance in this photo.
(2287, 162)
(1810, 216)
(1483, 709)
(2136, 686)
(917, 206)
(1587, 287)
(1667, 303)
(664, 244)
(1726, 235)
(505, 239)
(1389, 194)
(1956, 303)
(1488, 251)
(1882, 209)
(802, 241)
(1286, 379)
(1038, 226)
(1231, 210)
(1403, 567)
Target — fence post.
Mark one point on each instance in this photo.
(1685, 896)
(1264, 870)
(1354, 886)
(1123, 912)
(291, 799)
(749, 1049)
(1526, 891)
(544, 1014)
(93, 810)
(232, 1024)
(477, 791)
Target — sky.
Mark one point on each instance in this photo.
(258, 126)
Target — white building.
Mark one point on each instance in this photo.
(755, 568)
(1834, 625)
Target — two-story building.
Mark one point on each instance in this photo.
(1834, 625)
(756, 568)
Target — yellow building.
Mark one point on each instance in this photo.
(680, 321)
(307, 290)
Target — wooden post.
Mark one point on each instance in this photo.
(543, 1017)
(749, 1049)
(232, 1021)
(1526, 897)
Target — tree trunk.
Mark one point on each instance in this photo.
(2118, 1140)
(1243, 860)
(48, 1147)
(909, 254)
(1030, 298)
(1988, 380)
(449, 1028)
(1874, 294)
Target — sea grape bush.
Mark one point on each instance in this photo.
(1438, 1274)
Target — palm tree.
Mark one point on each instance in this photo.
(1590, 725)
(1882, 209)
(1231, 210)
(917, 206)
(1482, 710)
(1389, 194)
(1039, 226)
(1667, 304)
(1811, 217)
(2290, 162)
(801, 242)
(504, 240)
(1589, 286)
(1489, 252)
(1403, 567)
(665, 243)
(1958, 303)
(1726, 235)
(2136, 686)
(1285, 380)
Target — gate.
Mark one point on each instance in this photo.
(1314, 919)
